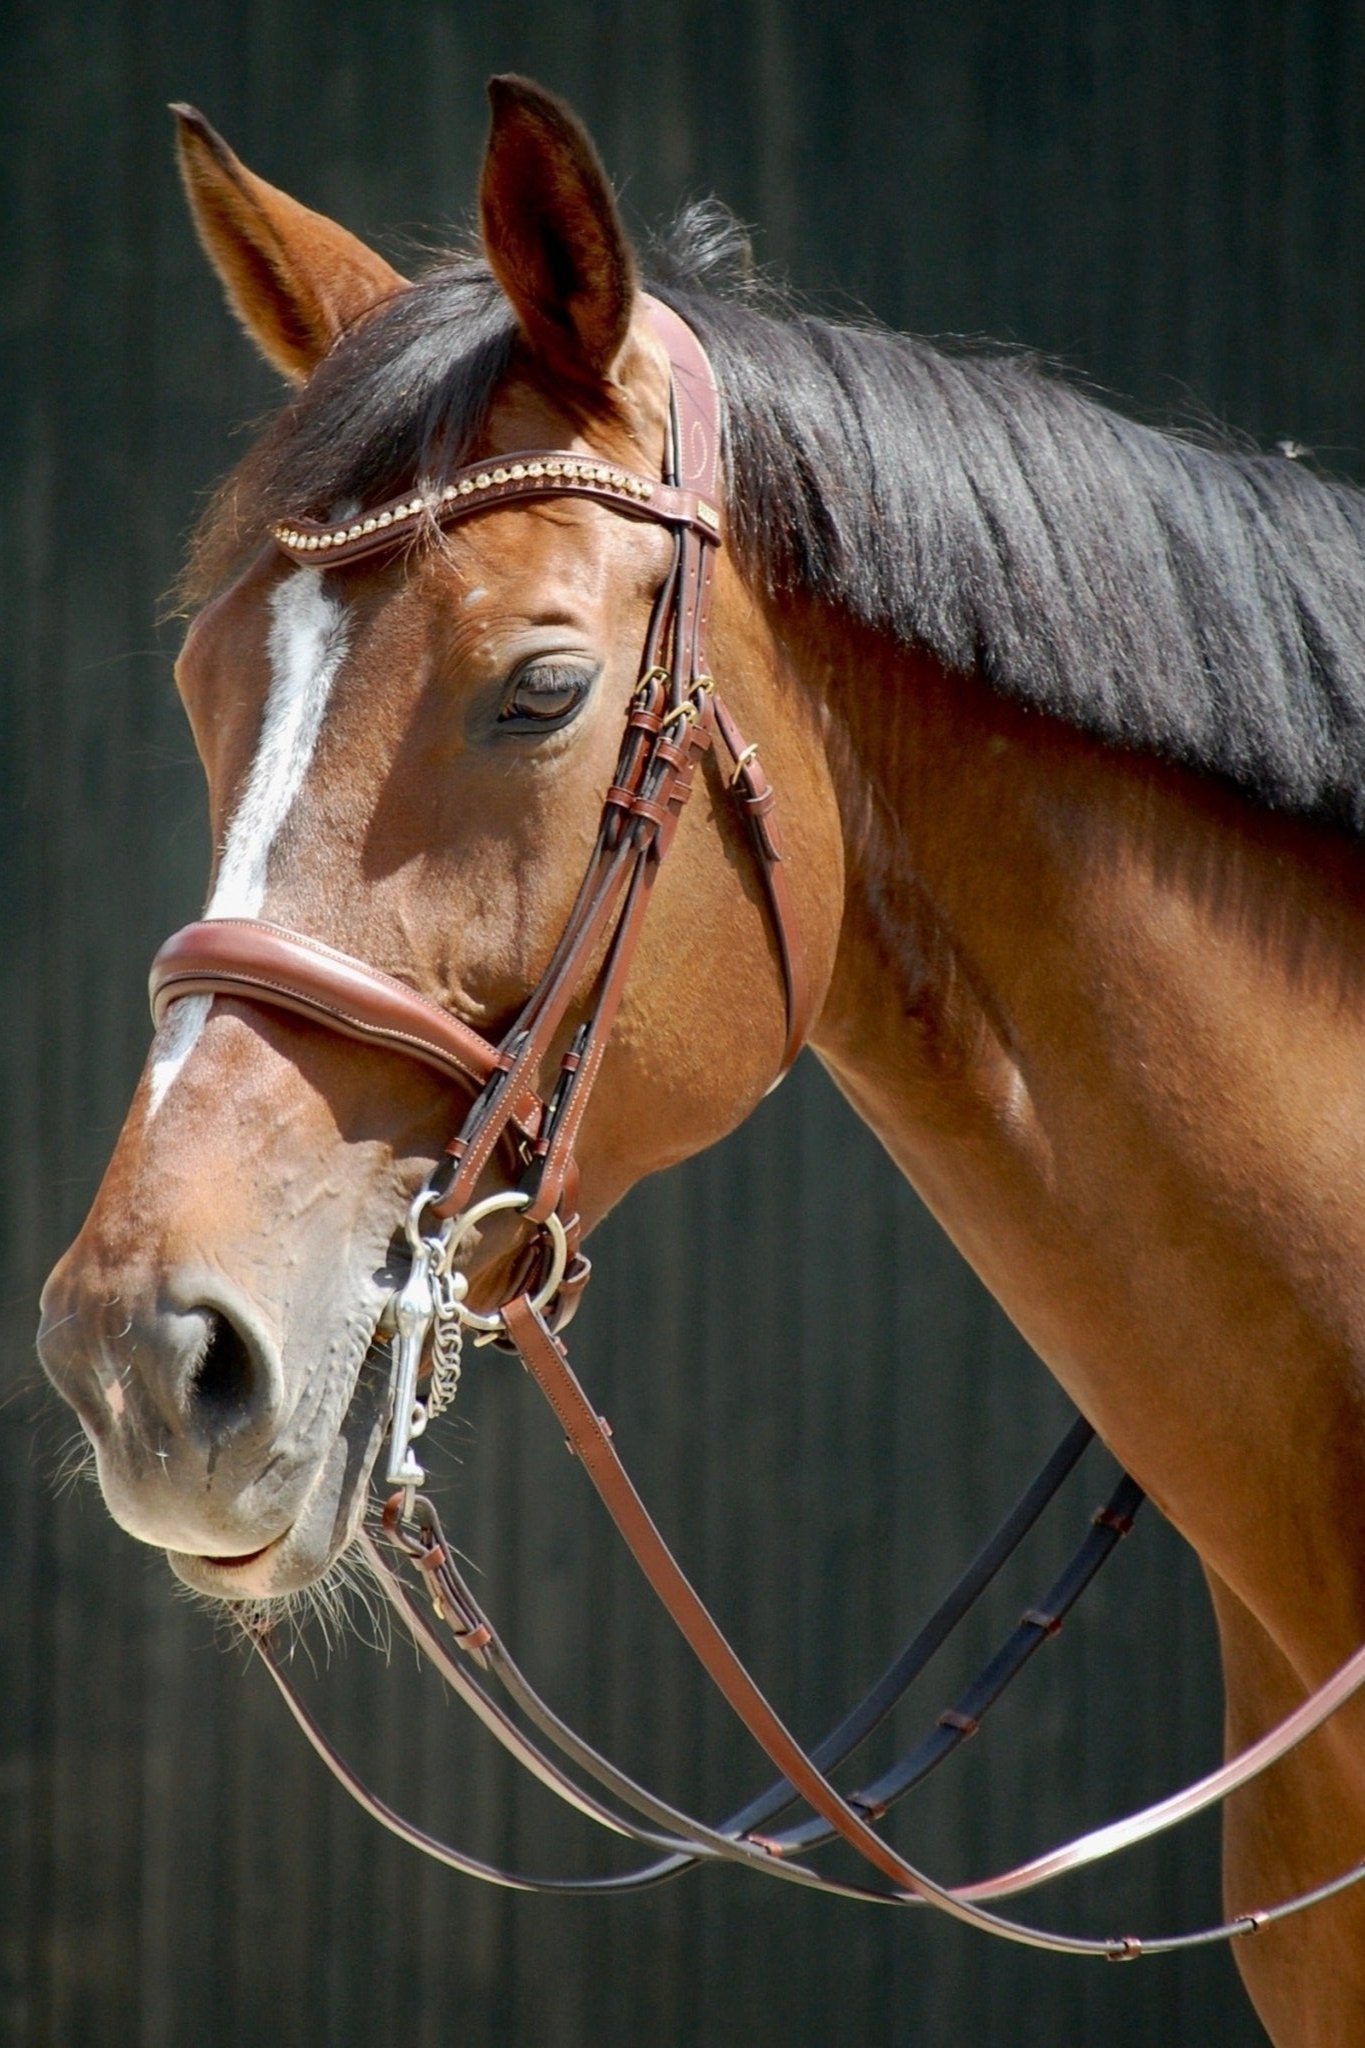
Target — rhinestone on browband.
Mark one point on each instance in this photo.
(506, 480)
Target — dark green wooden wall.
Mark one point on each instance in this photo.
(1169, 197)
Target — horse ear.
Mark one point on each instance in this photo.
(553, 235)
(294, 278)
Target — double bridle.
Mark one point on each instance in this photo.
(676, 717)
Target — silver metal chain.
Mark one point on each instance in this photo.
(426, 1310)
(429, 1309)
(449, 1288)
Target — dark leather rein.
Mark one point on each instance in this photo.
(676, 716)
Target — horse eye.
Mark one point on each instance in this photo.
(545, 694)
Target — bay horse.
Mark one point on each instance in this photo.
(1066, 721)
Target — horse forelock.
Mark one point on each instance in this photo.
(1200, 603)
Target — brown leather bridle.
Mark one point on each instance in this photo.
(676, 716)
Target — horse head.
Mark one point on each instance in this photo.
(408, 749)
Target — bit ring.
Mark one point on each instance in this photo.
(491, 1205)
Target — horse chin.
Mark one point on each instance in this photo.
(328, 1517)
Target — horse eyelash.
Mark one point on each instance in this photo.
(553, 674)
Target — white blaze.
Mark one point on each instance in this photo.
(307, 644)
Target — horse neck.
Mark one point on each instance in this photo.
(1106, 1017)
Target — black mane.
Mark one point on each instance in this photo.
(1205, 605)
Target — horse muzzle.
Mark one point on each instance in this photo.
(251, 1478)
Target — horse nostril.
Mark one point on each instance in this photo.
(224, 1380)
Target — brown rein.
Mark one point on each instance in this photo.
(675, 718)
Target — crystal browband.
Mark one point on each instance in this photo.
(482, 485)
